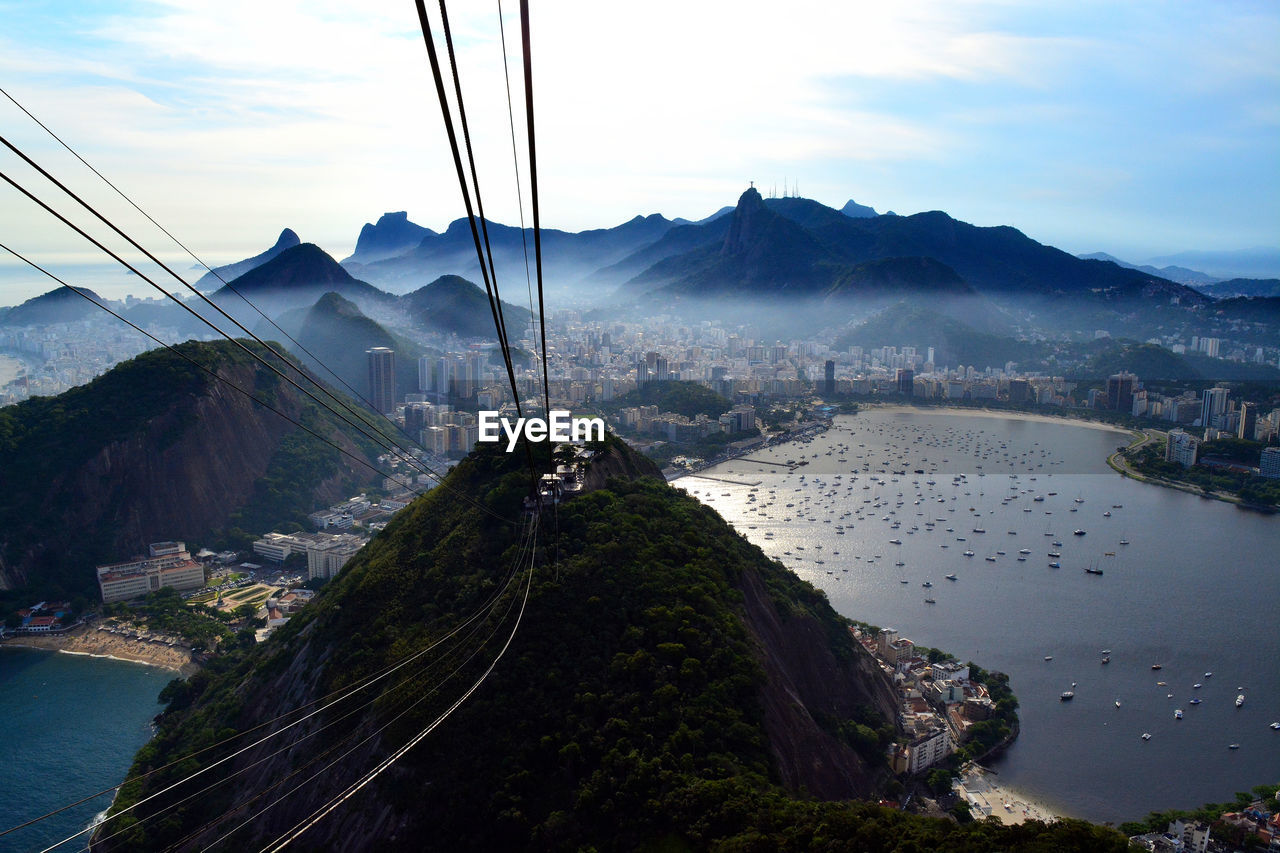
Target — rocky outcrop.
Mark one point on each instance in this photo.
(393, 234)
(615, 461)
(807, 690)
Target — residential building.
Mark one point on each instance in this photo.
(326, 558)
(1194, 836)
(928, 749)
(1182, 448)
(1269, 466)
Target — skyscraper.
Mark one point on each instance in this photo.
(1120, 392)
(382, 379)
(1213, 404)
(906, 381)
(829, 377)
(1248, 421)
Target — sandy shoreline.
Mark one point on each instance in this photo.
(95, 643)
(986, 796)
(9, 369)
(997, 413)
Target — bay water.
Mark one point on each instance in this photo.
(1193, 591)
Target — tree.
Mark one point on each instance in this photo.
(939, 781)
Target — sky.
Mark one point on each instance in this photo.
(1140, 128)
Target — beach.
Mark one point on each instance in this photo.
(981, 788)
(94, 642)
(9, 368)
(997, 413)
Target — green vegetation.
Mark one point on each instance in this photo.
(988, 735)
(684, 398)
(285, 493)
(165, 612)
(1149, 461)
(1209, 813)
(626, 715)
(704, 448)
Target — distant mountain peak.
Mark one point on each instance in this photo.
(858, 211)
(219, 276)
(748, 218)
(392, 235)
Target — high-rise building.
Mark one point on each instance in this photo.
(829, 377)
(382, 379)
(1248, 421)
(1269, 466)
(1182, 448)
(1019, 390)
(1212, 405)
(1120, 391)
(906, 381)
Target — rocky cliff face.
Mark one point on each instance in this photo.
(807, 687)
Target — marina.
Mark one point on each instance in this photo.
(1144, 604)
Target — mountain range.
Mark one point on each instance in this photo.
(807, 264)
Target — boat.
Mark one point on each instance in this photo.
(1066, 696)
(1208, 675)
(1195, 701)
(1157, 666)
(1055, 565)
(968, 553)
(1048, 657)
(927, 584)
(951, 577)
(1107, 514)
(1239, 699)
(1177, 715)
(1077, 532)
(1197, 685)
(1105, 652)
(1146, 735)
(1233, 746)
(1124, 541)
(1117, 703)
(1275, 726)
(930, 601)
(1107, 659)
(1093, 570)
